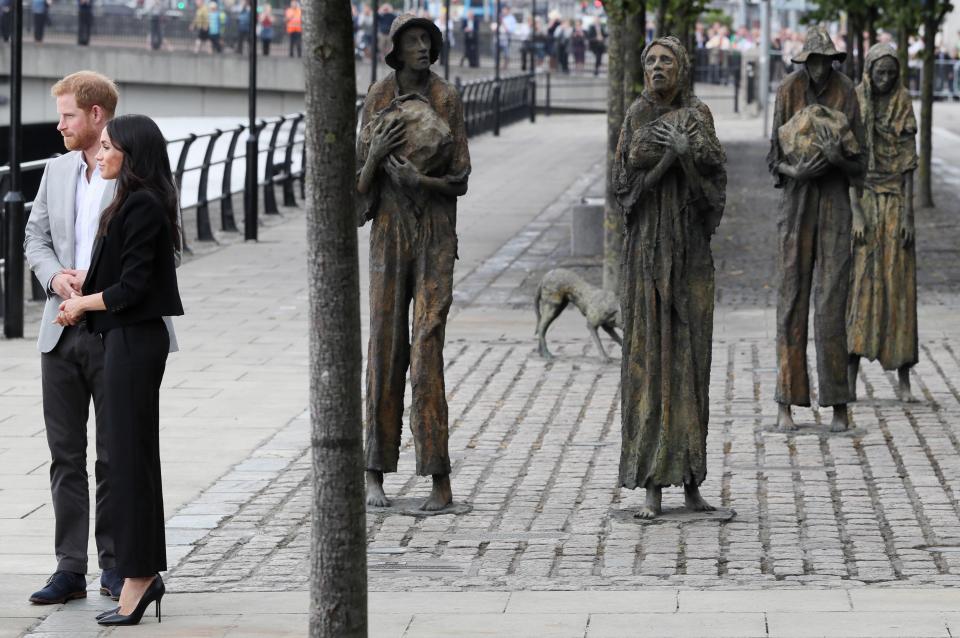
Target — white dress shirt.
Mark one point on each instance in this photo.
(89, 196)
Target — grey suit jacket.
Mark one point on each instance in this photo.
(50, 239)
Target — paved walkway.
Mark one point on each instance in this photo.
(849, 535)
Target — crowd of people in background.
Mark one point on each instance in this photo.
(214, 26)
(549, 40)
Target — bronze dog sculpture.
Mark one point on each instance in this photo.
(600, 307)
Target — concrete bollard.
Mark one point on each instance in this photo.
(586, 228)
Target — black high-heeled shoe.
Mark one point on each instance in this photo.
(104, 614)
(154, 593)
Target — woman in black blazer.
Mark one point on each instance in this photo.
(131, 285)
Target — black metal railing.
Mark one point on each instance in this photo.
(488, 104)
(204, 175)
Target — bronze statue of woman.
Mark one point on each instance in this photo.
(882, 308)
(670, 183)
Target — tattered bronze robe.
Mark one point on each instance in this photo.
(882, 312)
(667, 296)
(413, 245)
(814, 223)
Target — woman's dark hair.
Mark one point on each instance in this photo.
(145, 166)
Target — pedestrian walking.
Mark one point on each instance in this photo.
(562, 37)
(505, 33)
(578, 44)
(470, 28)
(130, 287)
(201, 24)
(384, 22)
(294, 24)
(215, 27)
(815, 225)
(155, 12)
(41, 16)
(266, 28)
(6, 19)
(597, 39)
(59, 244)
(84, 21)
(243, 26)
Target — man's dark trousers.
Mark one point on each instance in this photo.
(71, 374)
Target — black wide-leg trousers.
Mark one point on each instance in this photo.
(134, 360)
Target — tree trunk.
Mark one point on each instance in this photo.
(871, 26)
(338, 575)
(930, 24)
(903, 54)
(861, 53)
(612, 221)
(632, 42)
(625, 85)
(849, 65)
(663, 28)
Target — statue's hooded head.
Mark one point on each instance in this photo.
(666, 70)
(881, 68)
(416, 41)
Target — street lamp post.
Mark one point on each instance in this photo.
(446, 42)
(250, 187)
(496, 74)
(764, 83)
(376, 41)
(13, 200)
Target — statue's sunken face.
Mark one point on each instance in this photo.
(884, 75)
(661, 68)
(819, 67)
(415, 48)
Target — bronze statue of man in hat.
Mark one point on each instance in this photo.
(413, 163)
(815, 155)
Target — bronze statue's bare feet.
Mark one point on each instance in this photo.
(375, 495)
(785, 418)
(651, 509)
(841, 419)
(441, 496)
(906, 394)
(853, 371)
(694, 501)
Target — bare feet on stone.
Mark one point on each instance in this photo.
(841, 419)
(694, 501)
(441, 496)
(785, 419)
(651, 509)
(375, 494)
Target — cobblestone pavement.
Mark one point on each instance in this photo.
(535, 448)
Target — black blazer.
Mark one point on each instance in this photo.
(133, 266)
